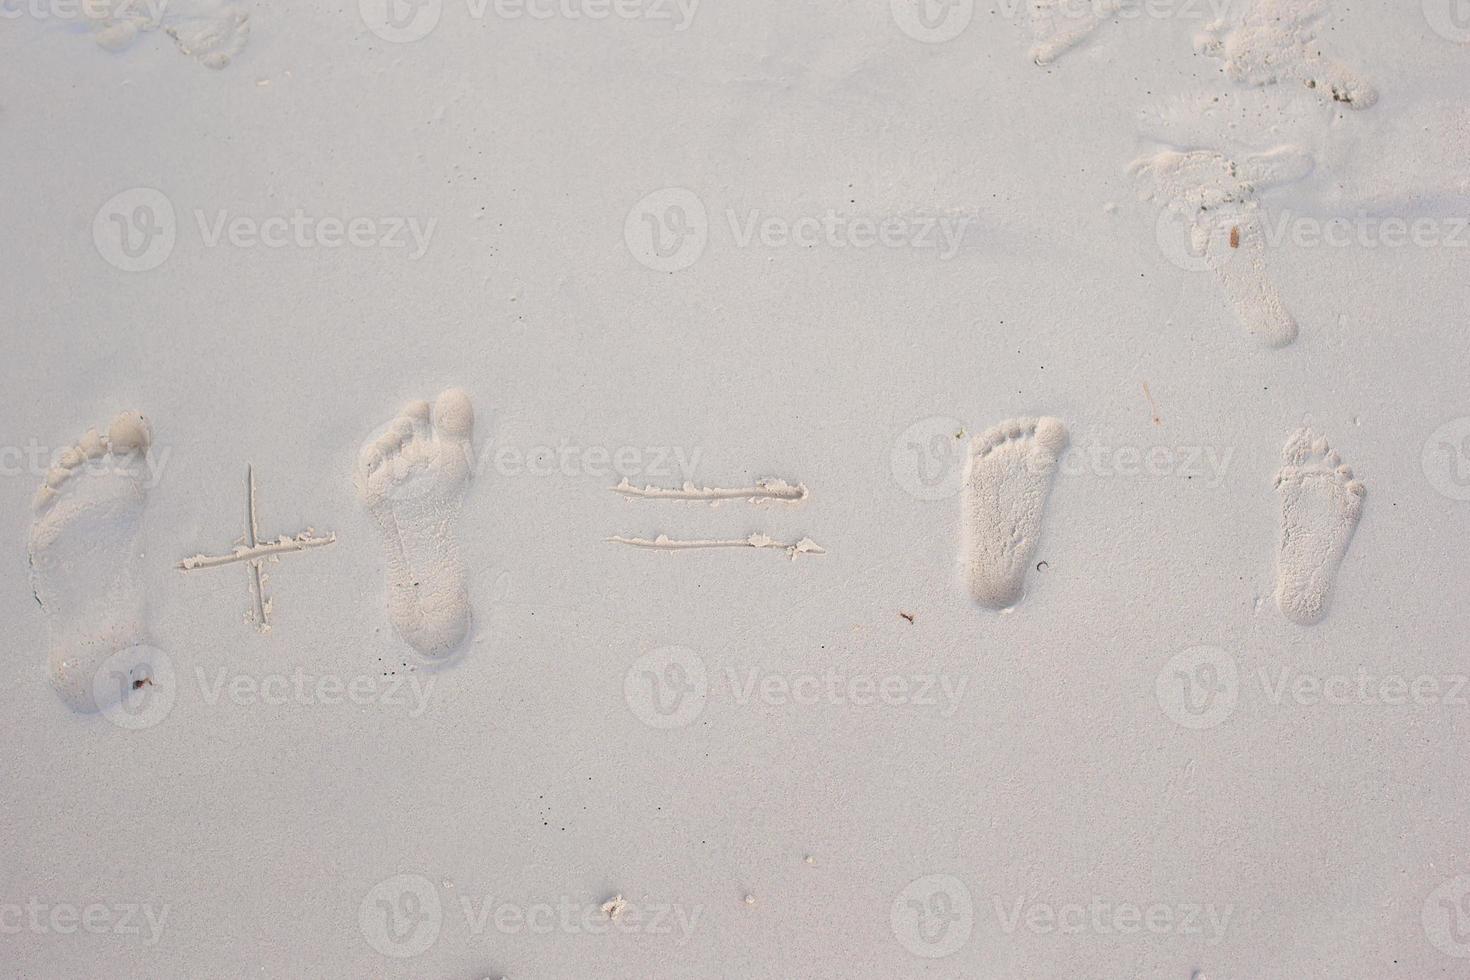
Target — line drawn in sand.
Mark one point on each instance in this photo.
(254, 553)
(763, 491)
(806, 546)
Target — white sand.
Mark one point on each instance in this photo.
(660, 254)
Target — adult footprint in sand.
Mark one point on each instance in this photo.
(85, 547)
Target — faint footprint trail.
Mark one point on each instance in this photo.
(806, 546)
(1007, 480)
(1276, 41)
(413, 479)
(85, 546)
(1320, 507)
(212, 31)
(1217, 197)
(1058, 26)
(763, 491)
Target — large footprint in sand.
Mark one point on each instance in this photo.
(1217, 196)
(1007, 480)
(1320, 506)
(412, 479)
(85, 547)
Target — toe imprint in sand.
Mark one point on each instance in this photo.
(1276, 41)
(1320, 506)
(1217, 197)
(1006, 484)
(412, 479)
(85, 546)
(211, 31)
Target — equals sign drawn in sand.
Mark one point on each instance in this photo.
(255, 553)
(764, 491)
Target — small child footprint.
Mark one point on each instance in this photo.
(412, 479)
(1320, 506)
(84, 550)
(1006, 484)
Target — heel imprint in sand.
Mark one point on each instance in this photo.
(85, 549)
(1007, 480)
(255, 553)
(1320, 506)
(412, 479)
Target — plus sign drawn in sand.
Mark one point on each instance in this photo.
(256, 553)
